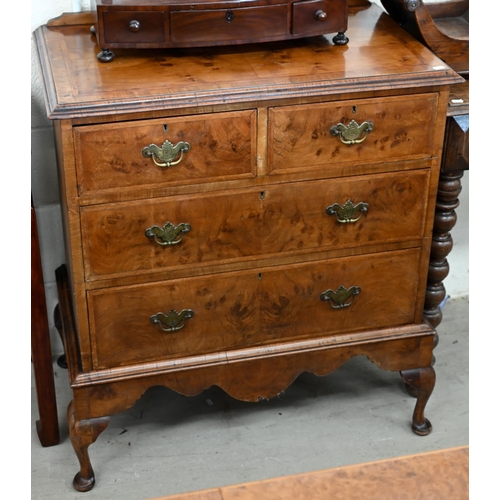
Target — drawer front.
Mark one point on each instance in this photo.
(229, 25)
(316, 17)
(112, 157)
(197, 316)
(133, 27)
(185, 231)
(351, 132)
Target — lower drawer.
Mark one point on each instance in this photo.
(194, 316)
(221, 227)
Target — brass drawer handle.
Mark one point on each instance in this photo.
(167, 153)
(348, 213)
(173, 321)
(342, 297)
(168, 234)
(352, 133)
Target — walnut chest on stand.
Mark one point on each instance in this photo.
(236, 216)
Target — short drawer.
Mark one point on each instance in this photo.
(316, 17)
(220, 227)
(196, 316)
(351, 132)
(133, 27)
(243, 24)
(163, 152)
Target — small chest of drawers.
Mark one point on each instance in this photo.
(126, 24)
(235, 217)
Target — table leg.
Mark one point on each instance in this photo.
(41, 353)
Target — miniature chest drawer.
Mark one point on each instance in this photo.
(164, 152)
(229, 24)
(351, 132)
(185, 231)
(133, 26)
(195, 316)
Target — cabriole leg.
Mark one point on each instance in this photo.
(420, 383)
(82, 434)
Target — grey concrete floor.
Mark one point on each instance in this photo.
(169, 444)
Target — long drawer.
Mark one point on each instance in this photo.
(351, 132)
(202, 315)
(167, 233)
(164, 152)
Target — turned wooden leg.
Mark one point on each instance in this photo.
(82, 434)
(420, 382)
(442, 244)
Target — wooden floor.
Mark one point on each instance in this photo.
(437, 475)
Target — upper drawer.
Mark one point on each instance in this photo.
(131, 26)
(219, 227)
(169, 151)
(228, 25)
(193, 316)
(351, 132)
(316, 17)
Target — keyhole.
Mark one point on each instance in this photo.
(354, 110)
(229, 16)
(259, 276)
(262, 195)
(165, 128)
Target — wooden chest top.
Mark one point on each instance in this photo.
(380, 56)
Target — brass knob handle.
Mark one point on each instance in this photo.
(169, 234)
(320, 15)
(347, 213)
(342, 297)
(173, 321)
(134, 26)
(352, 133)
(167, 154)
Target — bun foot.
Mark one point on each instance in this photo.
(105, 56)
(83, 484)
(340, 39)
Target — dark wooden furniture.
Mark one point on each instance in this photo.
(124, 24)
(236, 216)
(41, 354)
(444, 28)
(435, 474)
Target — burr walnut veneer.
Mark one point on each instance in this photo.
(236, 216)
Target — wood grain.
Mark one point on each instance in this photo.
(435, 474)
(109, 157)
(251, 223)
(263, 306)
(300, 136)
(77, 85)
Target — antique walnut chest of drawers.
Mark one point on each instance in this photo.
(237, 216)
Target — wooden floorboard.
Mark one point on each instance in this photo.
(442, 474)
